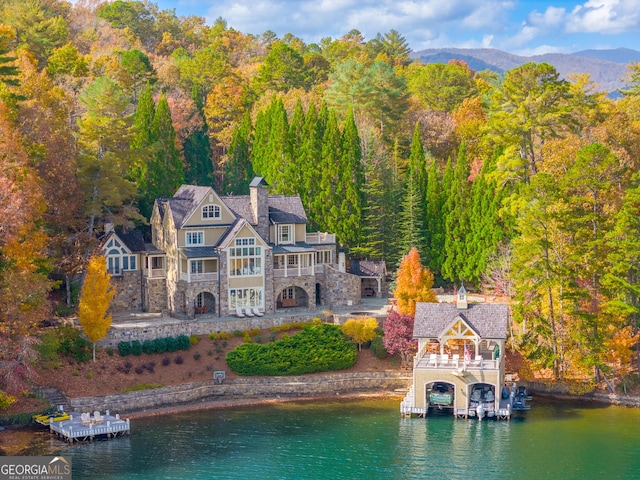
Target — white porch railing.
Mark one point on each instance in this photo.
(435, 361)
(316, 238)
(199, 277)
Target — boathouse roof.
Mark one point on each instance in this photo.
(488, 320)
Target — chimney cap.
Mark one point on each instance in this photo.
(258, 182)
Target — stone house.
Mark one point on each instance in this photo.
(227, 255)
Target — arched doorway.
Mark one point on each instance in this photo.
(292, 297)
(440, 395)
(204, 303)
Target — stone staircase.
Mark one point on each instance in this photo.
(55, 397)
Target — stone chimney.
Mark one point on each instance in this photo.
(461, 302)
(108, 226)
(259, 196)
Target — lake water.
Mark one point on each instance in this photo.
(367, 440)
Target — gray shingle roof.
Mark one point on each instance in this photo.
(240, 205)
(489, 320)
(368, 268)
(282, 208)
(299, 247)
(185, 201)
(199, 252)
(132, 239)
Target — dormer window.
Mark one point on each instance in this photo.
(285, 234)
(210, 211)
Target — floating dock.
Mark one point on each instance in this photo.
(86, 428)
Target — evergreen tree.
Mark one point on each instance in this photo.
(104, 155)
(351, 181)
(435, 218)
(457, 221)
(166, 170)
(413, 214)
(197, 151)
(238, 167)
(310, 153)
(262, 131)
(142, 139)
(486, 229)
(279, 168)
(325, 205)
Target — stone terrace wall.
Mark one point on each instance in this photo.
(122, 334)
(246, 388)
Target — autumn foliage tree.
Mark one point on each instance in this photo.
(95, 298)
(360, 330)
(413, 284)
(398, 336)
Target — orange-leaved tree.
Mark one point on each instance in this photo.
(413, 284)
(95, 298)
(361, 330)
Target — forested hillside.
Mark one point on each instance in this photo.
(521, 183)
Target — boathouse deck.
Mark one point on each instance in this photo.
(77, 429)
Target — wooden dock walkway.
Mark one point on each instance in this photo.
(79, 429)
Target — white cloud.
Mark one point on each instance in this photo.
(605, 16)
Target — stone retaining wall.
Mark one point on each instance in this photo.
(246, 388)
(119, 333)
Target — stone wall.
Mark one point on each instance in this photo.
(155, 294)
(306, 283)
(343, 288)
(128, 291)
(246, 388)
(118, 333)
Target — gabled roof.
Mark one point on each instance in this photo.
(489, 320)
(184, 202)
(368, 268)
(131, 239)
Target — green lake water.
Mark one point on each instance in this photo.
(366, 440)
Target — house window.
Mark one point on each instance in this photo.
(195, 238)
(211, 211)
(197, 266)
(323, 256)
(245, 297)
(292, 260)
(198, 302)
(285, 233)
(245, 260)
(288, 293)
(118, 259)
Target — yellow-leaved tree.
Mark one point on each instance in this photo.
(361, 330)
(95, 298)
(413, 284)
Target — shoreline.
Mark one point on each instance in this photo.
(230, 404)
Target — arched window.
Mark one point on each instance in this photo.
(118, 258)
(210, 211)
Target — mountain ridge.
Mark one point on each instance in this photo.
(607, 68)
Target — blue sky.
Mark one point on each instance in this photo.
(520, 27)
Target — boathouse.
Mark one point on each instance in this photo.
(459, 367)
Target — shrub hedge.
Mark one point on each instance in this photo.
(317, 348)
(158, 345)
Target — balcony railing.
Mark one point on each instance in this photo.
(199, 277)
(435, 361)
(155, 272)
(292, 271)
(320, 237)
